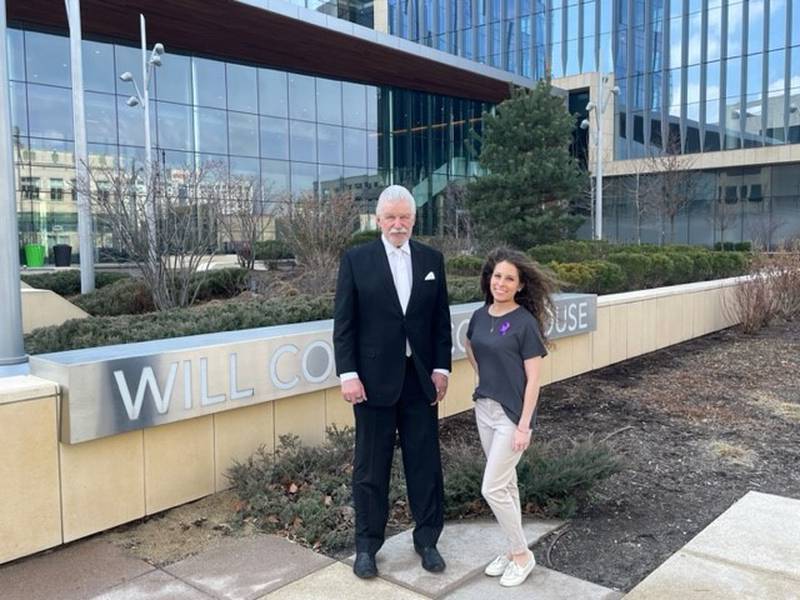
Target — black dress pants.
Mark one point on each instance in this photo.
(417, 423)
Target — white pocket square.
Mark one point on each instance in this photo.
(430, 276)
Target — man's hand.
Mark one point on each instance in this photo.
(440, 383)
(353, 391)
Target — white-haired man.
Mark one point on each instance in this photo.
(392, 343)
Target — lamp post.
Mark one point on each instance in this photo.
(142, 98)
(12, 350)
(85, 230)
(599, 109)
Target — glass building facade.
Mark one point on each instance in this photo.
(700, 75)
(292, 132)
(355, 11)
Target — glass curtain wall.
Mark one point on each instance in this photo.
(695, 75)
(291, 132)
(359, 12)
(760, 204)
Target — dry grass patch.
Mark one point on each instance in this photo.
(731, 453)
(780, 408)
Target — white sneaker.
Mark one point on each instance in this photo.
(514, 574)
(497, 567)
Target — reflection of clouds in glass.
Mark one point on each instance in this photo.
(776, 86)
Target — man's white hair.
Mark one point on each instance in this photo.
(395, 193)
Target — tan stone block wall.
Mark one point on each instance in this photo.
(113, 480)
(30, 510)
(303, 416)
(238, 434)
(178, 463)
(102, 483)
(41, 308)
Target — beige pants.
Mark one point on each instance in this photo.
(499, 486)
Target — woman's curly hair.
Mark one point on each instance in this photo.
(537, 285)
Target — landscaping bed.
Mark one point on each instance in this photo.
(698, 425)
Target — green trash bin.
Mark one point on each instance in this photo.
(34, 255)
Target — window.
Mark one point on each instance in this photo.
(56, 189)
(29, 186)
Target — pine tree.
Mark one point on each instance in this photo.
(531, 175)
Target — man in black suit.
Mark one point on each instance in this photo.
(392, 341)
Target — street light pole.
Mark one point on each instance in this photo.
(142, 98)
(85, 229)
(12, 349)
(599, 109)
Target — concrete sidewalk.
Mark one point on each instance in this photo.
(750, 551)
(270, 567)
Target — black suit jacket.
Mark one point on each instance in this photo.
(370, 330)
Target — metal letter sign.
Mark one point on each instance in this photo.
(113, 389)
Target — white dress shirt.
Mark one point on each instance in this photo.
(399, 258)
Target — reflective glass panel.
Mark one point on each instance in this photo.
(304, 178)
(302, 97)
(714, 33)
(330, 144)
(372, 108)
(174, 79)
(354, 98)
(50, 112)
(19, 108)
(245, 168)
(755, 37)
(174, 126)
(16, 55)
(131, 122)
(695, 39)
(329, 101)
(275, 177)
(101, 118)
(243, 133)
(777, 24)
(98, 67)
(355, 147)
(330, 178)
(303, 141)
(272, 93)
(274, 137)
(242, 88)
(735, 29)
(127, 59)
(47, 58)
(211, 130)
(208, 77)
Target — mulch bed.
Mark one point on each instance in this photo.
(698, 425)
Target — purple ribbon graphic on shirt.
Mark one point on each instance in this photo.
(505, 327)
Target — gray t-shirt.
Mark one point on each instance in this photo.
(500, 346)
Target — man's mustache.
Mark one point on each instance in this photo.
(400, 230)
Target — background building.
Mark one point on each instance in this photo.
(326, 96)
(716, 78)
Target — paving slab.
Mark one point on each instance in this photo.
(758, 530)
(466, 546)
(155, 585)
(337, 582)
(75, 572)
(542, 584)
(691, 577)
(246, 568)
(749, 551)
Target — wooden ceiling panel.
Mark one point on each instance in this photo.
(235, 31)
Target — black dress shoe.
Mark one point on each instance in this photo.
(431, 559)
(364, 565)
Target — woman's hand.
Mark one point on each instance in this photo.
(521, 441)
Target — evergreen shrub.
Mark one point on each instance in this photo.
(68, 283)
(305, 492)
(464, 265)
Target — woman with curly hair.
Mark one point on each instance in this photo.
(505, 345)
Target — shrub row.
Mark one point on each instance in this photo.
(627, 271)
(464, 265)
(305, 492)
(570, 251)
(68, 283)
(273, 250)
(207, 318)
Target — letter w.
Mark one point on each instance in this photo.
(147, 380)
